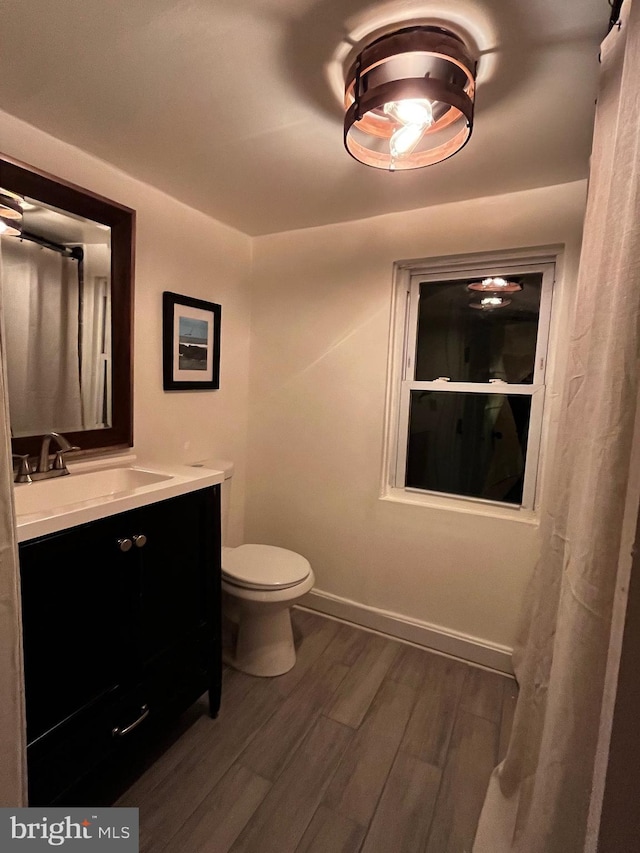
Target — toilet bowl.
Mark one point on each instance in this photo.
(260, 583)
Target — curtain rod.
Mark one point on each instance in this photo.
(75, 252)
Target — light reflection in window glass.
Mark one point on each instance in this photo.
(468, 345)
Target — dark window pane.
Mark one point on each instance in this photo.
(471, 345)
(468, 444)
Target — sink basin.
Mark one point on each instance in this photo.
(92, 491)
(47, 495)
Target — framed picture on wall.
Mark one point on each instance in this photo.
(190, 343)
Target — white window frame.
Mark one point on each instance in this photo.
(409, 276)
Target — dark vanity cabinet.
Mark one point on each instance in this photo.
(121, 624)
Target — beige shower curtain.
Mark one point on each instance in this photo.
(538, 798)
(12, 728)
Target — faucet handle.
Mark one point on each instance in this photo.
(24, 469)
(59, 463)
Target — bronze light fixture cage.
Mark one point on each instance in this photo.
(409, 99)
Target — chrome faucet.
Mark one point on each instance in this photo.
(39, 468)
(58, 468)
(60, 440)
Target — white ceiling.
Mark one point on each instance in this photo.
(227, 104)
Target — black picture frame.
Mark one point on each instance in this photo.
(190, 343)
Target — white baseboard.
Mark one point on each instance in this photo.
(434, 637)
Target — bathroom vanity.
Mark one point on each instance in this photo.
(121, 613)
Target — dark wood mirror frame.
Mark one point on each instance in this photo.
(27, 181)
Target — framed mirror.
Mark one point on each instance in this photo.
(67, 299)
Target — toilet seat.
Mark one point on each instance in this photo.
(264, 567)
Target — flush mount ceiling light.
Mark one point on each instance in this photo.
(409, 99)
(10, 213)
(495, 285)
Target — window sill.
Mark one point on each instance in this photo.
(462, 505)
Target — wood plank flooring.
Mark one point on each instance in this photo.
(367, 744)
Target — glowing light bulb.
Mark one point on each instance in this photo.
(411, 111)
(405, 139)
(414, 117)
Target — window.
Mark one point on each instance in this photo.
(470, 398)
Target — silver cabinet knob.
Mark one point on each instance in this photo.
(125, 544)
(140, 540)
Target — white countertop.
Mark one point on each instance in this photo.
(99, 488)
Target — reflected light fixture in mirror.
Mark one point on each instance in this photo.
(44, 192)
(409, 99)
(495, 285)
(489, 302)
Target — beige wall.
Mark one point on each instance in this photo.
(177, 249)
(319, 347)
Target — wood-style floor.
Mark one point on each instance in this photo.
(367, 744)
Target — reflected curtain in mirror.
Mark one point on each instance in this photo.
(42, 329)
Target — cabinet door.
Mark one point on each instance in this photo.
(75, 639)
(179, 572)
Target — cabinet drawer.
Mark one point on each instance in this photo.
(109, 731)
(65, 754)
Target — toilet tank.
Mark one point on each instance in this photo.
(225, 489)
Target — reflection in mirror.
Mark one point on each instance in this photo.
(67, 290)
(57, 304)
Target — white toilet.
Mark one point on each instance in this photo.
(260, 583)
